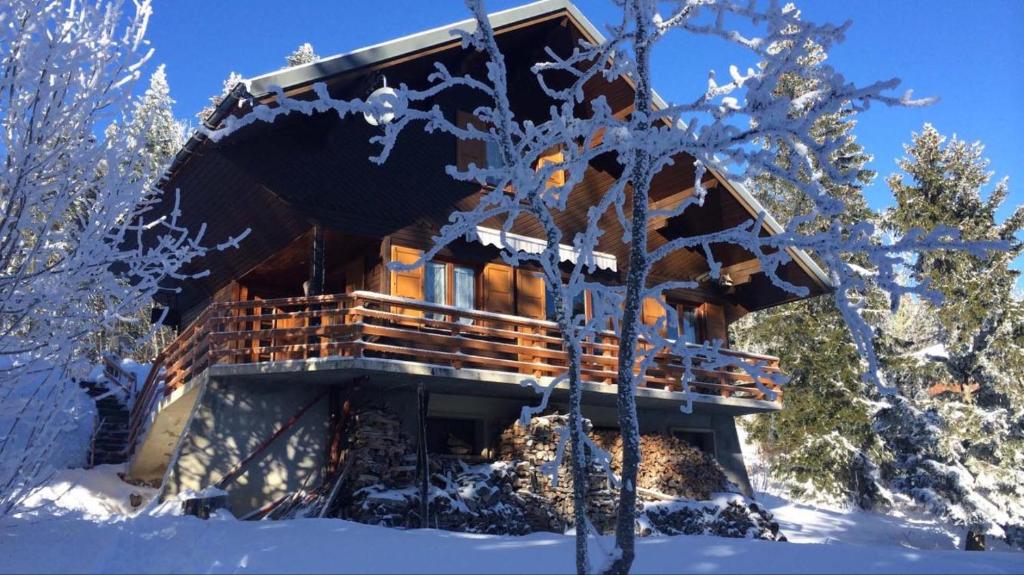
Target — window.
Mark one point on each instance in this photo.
(688, 328)
(492, 154)
(436, 287)
(688, 324)
(483, 153)
(465, 290)
(579, 305)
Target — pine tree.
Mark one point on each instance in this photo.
(822, 445)
(304, 54)
(77, 199)
(957, 434)
(233, 79)
(153, 122)
(157, 136)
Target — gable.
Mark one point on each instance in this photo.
(317, 166)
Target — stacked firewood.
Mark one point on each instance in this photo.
(518, 496)
(670, 466)
(534, 448)
(732, 517)
(380, 450)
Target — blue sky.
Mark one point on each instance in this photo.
(968, 54)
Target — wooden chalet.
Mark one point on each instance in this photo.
(307, 302)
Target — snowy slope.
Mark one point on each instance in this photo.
(818, 522)
(76, 524)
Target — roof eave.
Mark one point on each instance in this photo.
(331, 66)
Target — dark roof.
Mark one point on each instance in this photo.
(304, 75)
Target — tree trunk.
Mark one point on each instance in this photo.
(636, 281)
(579, 460)
(975, 540)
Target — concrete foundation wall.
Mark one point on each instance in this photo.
(232, 420)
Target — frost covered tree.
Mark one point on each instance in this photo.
(79, 250)
(233, 79)
(822, 446)
(735, 128)
(304, 54)
(159, 135)
(957, 432)
(950, 440)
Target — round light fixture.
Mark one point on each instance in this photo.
(385, 104)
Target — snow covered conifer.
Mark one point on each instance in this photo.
(822, 445)
(304, 54)
(958, 436)
(229, 83)
(158, 136)
(154, 125)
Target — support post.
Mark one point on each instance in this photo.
(316, 262)
(422, 462)
(315, 287)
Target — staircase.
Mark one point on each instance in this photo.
(110, 439)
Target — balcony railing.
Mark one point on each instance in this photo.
(372, 325)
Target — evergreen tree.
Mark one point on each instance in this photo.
(157, 136)
(304, 54)
(822, 445)
(229, 84)
(957, 432)
(154, 124)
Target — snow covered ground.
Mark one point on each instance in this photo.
(78, 523)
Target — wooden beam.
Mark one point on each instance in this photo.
(422, 462)
(671, 201)
(740, 272)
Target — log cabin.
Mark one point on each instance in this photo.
(307, 305)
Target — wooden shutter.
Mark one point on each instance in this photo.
(469, 151)
(497, 289)
(714, 323)
(407, 283)
(530, 296)
(651, 311)
(530, 302)
(554, 155)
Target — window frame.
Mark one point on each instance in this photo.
(449, 284)
(700, 328)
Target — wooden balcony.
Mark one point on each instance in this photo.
(372, 325)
